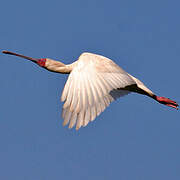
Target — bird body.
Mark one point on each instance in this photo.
(94, 82)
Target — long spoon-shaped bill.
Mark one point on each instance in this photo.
(20, 55)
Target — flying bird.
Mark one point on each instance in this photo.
(94, 82)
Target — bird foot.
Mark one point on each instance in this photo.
(167, 102)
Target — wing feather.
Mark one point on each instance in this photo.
(69, 93)
(93, 84)
(74, 100)
(80, 119)
(87, 117)
(93, 113)
(67, 116)
(73, 120)
(66, 88)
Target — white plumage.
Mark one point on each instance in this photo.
(94, 82)
(92, 85)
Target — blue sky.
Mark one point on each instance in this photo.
(135, 138)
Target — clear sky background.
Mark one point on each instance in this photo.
(135, 138)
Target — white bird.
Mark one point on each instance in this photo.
(94, 82)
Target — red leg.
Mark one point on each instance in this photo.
(166, 101)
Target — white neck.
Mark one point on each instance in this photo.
(57, 66)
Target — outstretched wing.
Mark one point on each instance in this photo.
(93, 84)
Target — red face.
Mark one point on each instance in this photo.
(41, 62)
